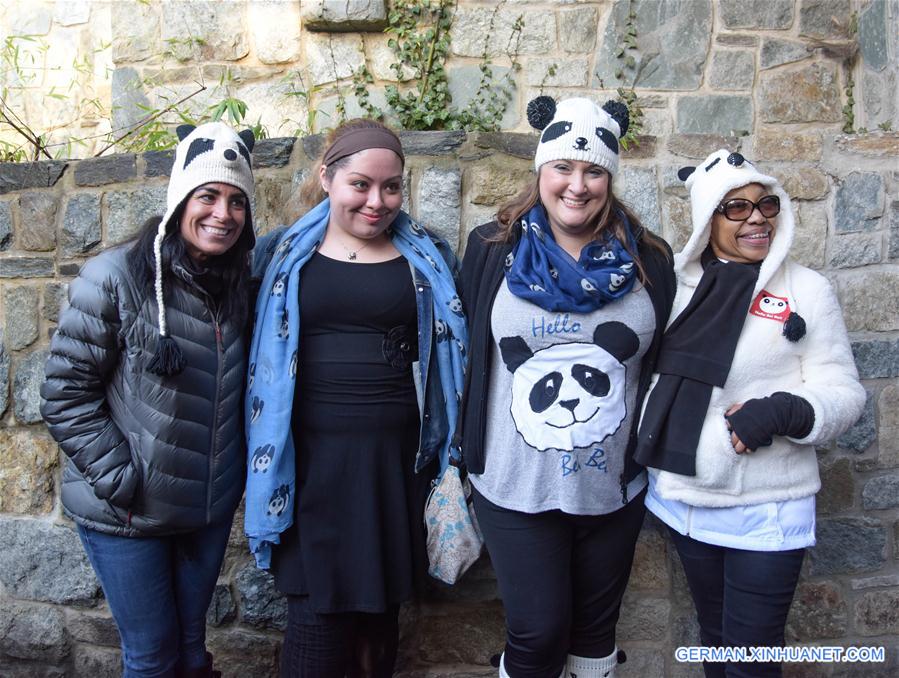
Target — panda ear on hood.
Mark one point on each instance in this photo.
(541, 111)
(183, 130)
(515, 352)
(246, 136)
(617, 339)
(684, 172)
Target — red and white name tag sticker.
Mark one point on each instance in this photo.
(767, 305)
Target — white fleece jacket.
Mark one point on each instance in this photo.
(819, 367)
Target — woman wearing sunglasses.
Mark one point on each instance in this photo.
(754, 372)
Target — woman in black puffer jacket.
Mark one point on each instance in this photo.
(144, 394)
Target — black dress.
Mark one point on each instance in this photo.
(357, 538)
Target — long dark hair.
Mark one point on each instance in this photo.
(608, 219)
(233, 301)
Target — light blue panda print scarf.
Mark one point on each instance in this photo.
(539, 270)
(271, 474)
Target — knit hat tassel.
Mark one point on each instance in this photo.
(794, 327)
(168, 359)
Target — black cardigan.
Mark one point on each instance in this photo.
(482, 273)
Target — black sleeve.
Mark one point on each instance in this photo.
(782, 414)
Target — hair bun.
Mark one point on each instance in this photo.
(618, 112)
(541, 111)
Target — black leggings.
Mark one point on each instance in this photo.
(351, 644)
(561, 577)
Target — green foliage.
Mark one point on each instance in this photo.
(848, 65)
(626, 54)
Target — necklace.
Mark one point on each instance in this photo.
(351, 254)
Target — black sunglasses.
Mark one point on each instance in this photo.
(740, 209)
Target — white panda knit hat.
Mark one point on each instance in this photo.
(210, 153)
(578, 129)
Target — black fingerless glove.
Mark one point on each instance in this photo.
(782, 414)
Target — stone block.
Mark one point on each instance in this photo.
(26, 267)
(893, 250)
(18, 176)
(881, 492)
(72, 12)
(732, 70)
(92, 628)
(158, 163)
(45, 562)
(865, 296)
(493, 184)
(21, 302)
(776, 14)
(129, 100)
(810, 236)
(520, 145)
(674, 40)
(888, 406)
(4, 379)
(32, 632)
(876, 358)
(644, 147)
(81, 229)
(819, 610)
(344, 15)
(109, 170)
(803, 182)
(314, 145)
(222, 608)
(259, 603)
(69, 269)
(677, 218)
(276, 30)
(272, 152)
(28, 18)
(477, 28)
(856, 249)
(875, 582)
(644, 618)
(478, 632)
(873, 145)
(777, 52)
(877, 613)
(37, 222)
(859, 202)
(126, 211)
(837, 486)
(332, 57)
(862, 434)
(431, 143)
(736, 40)
(96, 661)
(650, 569)
(577, 28)
(566, 72)
(135, 30)
(776, 145)
(218, 30)
(240, 653)
(638, 188)
(698, 146)
(814, 94)
(848, 546)
(463, 83)
(26, 387)
(5, 225)
(872, 35)
(438, 203)
(825, 18)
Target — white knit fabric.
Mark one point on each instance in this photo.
(579, 119)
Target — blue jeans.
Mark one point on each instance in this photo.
(742, 599)
(158, 590)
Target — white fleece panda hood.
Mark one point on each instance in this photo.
(816, 365)
(708, 183)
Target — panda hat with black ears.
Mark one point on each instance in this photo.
(210, 153)
(578, 129)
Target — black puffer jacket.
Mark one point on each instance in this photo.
(148, 455)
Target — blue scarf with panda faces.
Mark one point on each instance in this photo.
(271, 472)
(540, 271)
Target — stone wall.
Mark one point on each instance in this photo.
(766, 77)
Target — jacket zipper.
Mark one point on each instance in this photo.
(689, 518)
(220, 349)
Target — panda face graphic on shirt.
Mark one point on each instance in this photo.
(572, 395)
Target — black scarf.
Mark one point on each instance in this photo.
(696, 355)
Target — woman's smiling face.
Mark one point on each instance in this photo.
(213, 219)
(746, 241)
(573, 193)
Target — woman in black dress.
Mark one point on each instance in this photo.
(363, 417)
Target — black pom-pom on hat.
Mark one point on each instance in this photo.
(541, 111)
(794, 327)
(618, 112)
(684, 172)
